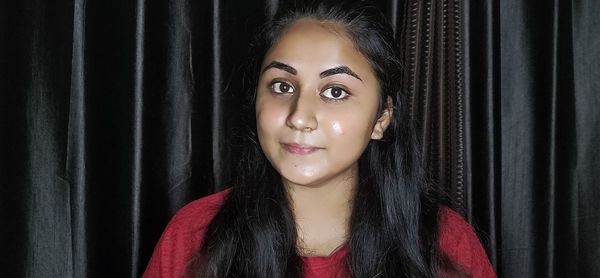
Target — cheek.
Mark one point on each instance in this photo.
(269, 116)
(350, 130)
(351, 122)
(337, 128)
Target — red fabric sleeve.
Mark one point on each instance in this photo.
(182, 237)
(462, 246)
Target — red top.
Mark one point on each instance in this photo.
(184, 233)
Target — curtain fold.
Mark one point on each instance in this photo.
(482, 122)
(75, 168)
(138, 142)
(114, 114)
(586, 70)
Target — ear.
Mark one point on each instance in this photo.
(384, 120)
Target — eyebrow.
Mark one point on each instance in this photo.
(281, 66)
(339, 70)
(325, 73)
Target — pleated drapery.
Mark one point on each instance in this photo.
(431, 37)
(114, 114)
(532, 123)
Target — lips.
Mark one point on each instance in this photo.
(299, 148)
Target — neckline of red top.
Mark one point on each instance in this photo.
(326, 261)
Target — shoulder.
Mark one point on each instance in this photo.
(459, 242)
(453, 224)
(198, 214)
(183, 236)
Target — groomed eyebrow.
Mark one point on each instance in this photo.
(281, 66)
(325, 73)
(339, 70)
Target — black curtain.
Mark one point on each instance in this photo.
(114, 114)
(533, 97)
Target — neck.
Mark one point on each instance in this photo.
(322, 213)
(332, 198)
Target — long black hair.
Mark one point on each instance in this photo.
(393, 226)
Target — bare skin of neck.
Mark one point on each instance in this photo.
(322, 213)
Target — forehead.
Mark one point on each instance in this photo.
(320, 44)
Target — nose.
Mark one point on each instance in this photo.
(302, 114)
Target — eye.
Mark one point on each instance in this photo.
(280, 87)
(334, 93)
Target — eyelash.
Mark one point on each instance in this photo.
(272, 87)
(344, 91)
(328, 99)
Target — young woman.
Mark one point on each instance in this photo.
(332, 183)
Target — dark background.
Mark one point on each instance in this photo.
(114, 114)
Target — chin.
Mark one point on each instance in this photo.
(300, 179)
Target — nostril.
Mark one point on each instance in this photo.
(308, 129)
(302, 116)
(302, 122)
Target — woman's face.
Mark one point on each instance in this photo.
(316, 106)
